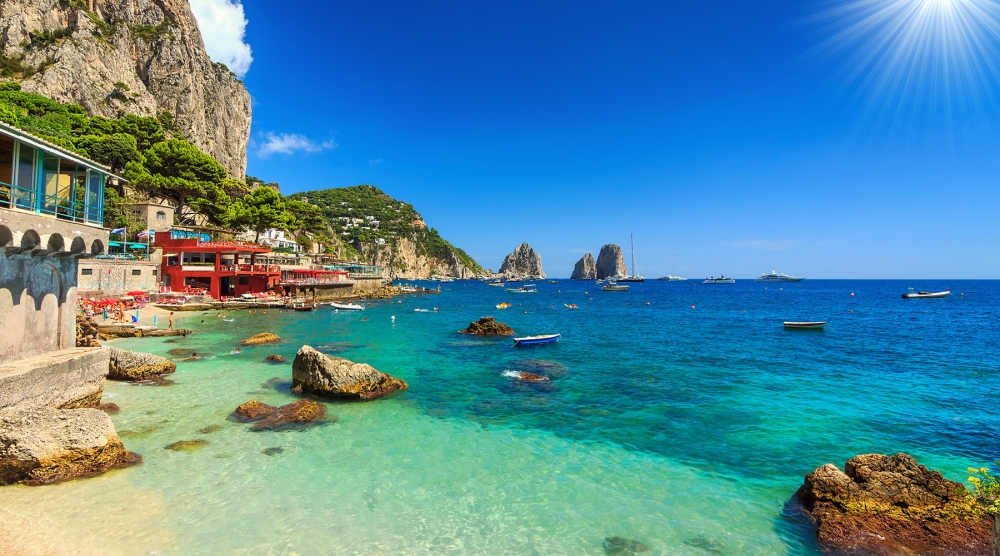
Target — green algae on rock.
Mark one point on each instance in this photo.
(186, 445)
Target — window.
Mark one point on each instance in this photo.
(160, 215)
(136, 272)
(86, 272)
(244, 280)
(25, 197)
(154, 272)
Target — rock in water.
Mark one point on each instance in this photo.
(890, 505)
(585, 269)
(610, 262)
(41, 445)
(620, 546)
(522, 264)
(272, 451)
(531, 377)
(268, 417)
(252, 411)
(488, 326)
(275, 359)
(186, 445)
(262, 338)
(326, 375)
(129, 365)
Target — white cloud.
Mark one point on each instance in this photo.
(288, 143)
(223, 27)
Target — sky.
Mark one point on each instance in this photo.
(826, 139)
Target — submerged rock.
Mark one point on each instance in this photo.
(531, 377)
(585, 269)
(293, 415)
(610, 262)
(262, 338)
(133, 366)
(275, 359)
(210, 429)
(620, 546)
(488, 326)
(326, 375)
(272, 451)
(41, 445)
(109, 408)
(180, 351)
(187, 445)
(890, 504)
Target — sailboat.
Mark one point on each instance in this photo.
(633, 277)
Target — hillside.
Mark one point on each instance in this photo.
(389, 233)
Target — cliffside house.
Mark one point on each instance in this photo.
(195, 263)
(275, 239)
(158, 217)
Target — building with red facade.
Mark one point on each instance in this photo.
(194, 263)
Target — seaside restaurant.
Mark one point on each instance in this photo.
(41, 178)
(195, 263)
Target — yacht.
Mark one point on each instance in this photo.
(777, 277)
(719, 280)
(633, 277)
(670, 278)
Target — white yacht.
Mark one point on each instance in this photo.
(777, 277)
(671, 278)
(719, 280)
(634, 276)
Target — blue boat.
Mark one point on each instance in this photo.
(536, 340)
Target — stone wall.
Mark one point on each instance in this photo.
(112, 277)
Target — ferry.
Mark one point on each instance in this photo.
(926, 294)
(719, 280)
(777, 277)
(670, 278)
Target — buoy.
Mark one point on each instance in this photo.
(852, 294)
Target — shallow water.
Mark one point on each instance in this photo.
(684, 428)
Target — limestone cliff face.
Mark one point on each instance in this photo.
(585, 269)
(522, 264)
(610, 262)
(401, 261)
(117, 57)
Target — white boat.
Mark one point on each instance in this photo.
(808, 325)
(347, 306)
(777, 277)
(670, 278)
(536, 340)
(613, 286)
(527, 288)
(925, 294)
(496, 284)
(719, 280)
(633, 277)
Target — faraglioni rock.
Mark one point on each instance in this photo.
(523, 264)
(133, 366)
(488, 326)
(42, 445)
(610, 262)
(138, 57)
(326, 375)
(585, 269)
(887, 505)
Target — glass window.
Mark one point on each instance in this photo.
(136, 272)
(25, 197)
(50, 184)
(86, 271)
(95, 196)
(160, 215)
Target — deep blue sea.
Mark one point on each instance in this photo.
(678, 414)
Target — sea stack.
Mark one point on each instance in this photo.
(523, 264)
(610, 262)
(585, 269)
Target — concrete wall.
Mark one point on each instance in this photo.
(112, 277)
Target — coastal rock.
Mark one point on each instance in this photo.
(86, 331)
(889, 505)
(109, 408)
(262, 338)
(133, 366)
(269, 417)
(66, 379)
(488, 326)
(252, 411)
(531, 377)
(326, 375)
(610, 262)
(523, 264)
(275, 359)
(620, 546)
(585, 269)
(186, 445)
(41, 445)
(137, 57)
(405, 259)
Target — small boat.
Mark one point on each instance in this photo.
(304, 306)
(777, 277)
(496, 284)
(503, 305)
(613, 286)
(599, 282)
(670, 278)
(926, 294)
(422, 311)
(347, 306)
(805, 325)
(527, 288)
(553, 281)
(536, 340)
(719, 280)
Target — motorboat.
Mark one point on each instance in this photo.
(536, 340)
(670, 278)
(599, 281)
(806, 325)
(304, 306)
(926, 294)
(527, 288)
(553, 281)
(496, 284)
(347, 306)
(719, 280)
(777, 277)
(613, 286)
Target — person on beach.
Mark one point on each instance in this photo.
(170, 323)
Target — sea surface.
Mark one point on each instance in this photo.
(678, 414)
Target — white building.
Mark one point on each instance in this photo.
(275, 239)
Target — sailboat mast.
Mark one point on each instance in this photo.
(632, 241)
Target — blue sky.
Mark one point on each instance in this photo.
(728, 137)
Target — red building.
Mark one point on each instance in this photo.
(192, 262)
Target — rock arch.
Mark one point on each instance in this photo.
(30, 240)
(97, 247)
(55, 243)
(78, 247)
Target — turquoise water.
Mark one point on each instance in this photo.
(687, 429)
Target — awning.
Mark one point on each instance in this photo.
(114, 244)
(137, 246)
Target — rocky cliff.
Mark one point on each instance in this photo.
(402, 259)
(118, 57)
(522, 264)
(585, 269)
(610, 262)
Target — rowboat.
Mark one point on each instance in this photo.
(347, 306)
(926, 294)
(536, 340)
(614, 287)
(805, 325)
(304, 306)
(527, 288)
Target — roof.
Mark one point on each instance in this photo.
(40, 143)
